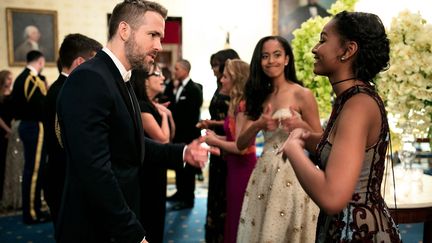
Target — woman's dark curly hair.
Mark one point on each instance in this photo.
(259, 86)
(368, 32)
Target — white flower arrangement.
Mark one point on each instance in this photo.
(406, 86)
(305, 38)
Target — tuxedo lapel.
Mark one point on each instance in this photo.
(130, 100)
(137, 120)
(118, 79)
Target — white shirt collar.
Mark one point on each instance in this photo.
(124, 73)
(185, 81)
(65, 74)
(33, 70)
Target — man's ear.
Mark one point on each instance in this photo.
(79, 60)
(76, 62)
(124, 30)
(41, 63)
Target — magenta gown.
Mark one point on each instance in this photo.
(239, 169)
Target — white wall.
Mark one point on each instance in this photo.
(205, 24)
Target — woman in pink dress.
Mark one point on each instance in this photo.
(240, 163)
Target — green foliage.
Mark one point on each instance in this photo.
(342, 5)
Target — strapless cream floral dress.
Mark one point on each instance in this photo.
(275, 208)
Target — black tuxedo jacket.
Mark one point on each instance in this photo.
(186, 112)
(54, 151)
(54, 174)
(105, 148)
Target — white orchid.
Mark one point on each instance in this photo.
(406, 86)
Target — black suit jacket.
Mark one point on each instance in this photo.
(54, 151)
(186, 112)
(105, 147)
(55, 167)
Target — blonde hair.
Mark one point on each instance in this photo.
(238, 71)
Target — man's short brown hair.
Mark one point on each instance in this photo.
(131, 12)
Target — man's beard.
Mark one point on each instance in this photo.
(136, 60)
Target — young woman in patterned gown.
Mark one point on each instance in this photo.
(352, 50)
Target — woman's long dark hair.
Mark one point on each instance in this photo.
(259, 86)
(219, 59)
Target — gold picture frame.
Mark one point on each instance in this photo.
(22, 28)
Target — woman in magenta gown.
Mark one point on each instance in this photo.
(240, 163)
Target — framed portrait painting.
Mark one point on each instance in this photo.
(31, 29)
(288, 15)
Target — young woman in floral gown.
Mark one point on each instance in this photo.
(352, 50)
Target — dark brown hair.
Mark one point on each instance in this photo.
(131, 11)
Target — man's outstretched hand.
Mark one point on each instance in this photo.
(197, 152)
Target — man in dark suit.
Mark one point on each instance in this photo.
(74, 50)
(102, 134)
(27, 100)
(186, 114)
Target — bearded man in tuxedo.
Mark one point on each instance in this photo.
(102, 134)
